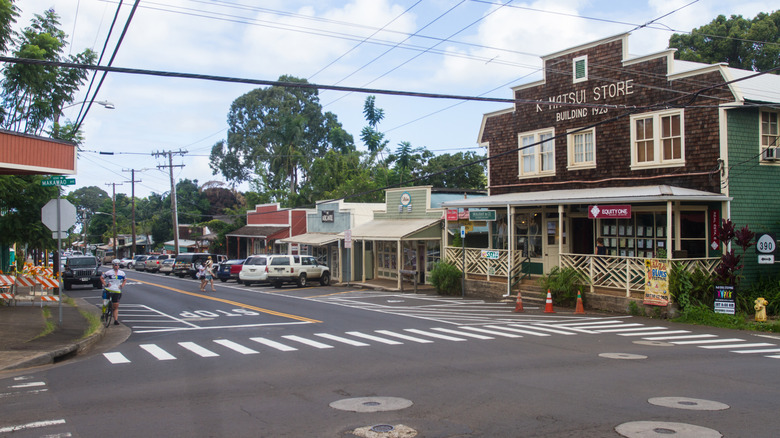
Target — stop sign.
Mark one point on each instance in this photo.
(67, 215)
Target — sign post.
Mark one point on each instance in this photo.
(57, 224)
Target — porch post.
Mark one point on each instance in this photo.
(398, 263)
(669, 225)
(560, 232)
(510, 232)
(363, 257)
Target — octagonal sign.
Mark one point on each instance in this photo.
(67, 215)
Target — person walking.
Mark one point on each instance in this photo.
(113, 281)
(209, 275)
(202, 276)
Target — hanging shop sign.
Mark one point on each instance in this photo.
(452, 214)
(714, 230)
(609, 212)
(482, 215)
(327, 216)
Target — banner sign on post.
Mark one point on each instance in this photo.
(656, 283)
(489, 254)
(609, 212)
(725, 300)
(714, 230)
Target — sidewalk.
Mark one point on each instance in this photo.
(20, 326)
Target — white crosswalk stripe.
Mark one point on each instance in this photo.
(460, 334)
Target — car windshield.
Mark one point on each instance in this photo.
(256, 261)
(86, 261)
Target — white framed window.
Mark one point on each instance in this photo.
(579, 69)
(582, 149)
(537, 153)
(658, 139)
(770, 136)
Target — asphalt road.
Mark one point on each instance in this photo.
(333, 361)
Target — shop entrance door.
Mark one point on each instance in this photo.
(552, 234)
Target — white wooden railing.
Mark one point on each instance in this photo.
(623, 273)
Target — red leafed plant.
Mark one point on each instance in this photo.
(728, 269)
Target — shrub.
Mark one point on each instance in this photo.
(446, 278)
(563, 284)
(766, 287)
(691, 288)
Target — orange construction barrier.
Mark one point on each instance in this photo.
(580, 308)
(548, 308)
(519, 305)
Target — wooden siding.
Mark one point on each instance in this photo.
(22, 154)
(649, 86)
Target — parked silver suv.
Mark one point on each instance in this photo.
(296, 269)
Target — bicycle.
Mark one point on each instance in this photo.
(108, 308)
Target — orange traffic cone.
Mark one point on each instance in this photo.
(519, 305)
(579, 308)
(548, 308)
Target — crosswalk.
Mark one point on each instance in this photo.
(463, 333)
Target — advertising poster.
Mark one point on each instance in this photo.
(656, 283)
(725, 300)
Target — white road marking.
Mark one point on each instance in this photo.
(273, 344)
(308, 342)
(342, 340)
(435, 335)
(158, 352)
(235, 346)
(116, 358)
(404, 337)
(375, 338)
(461, 333)
(33, 425)
(197, 349)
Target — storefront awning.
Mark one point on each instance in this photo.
(256, 231)
(313, 239)
(603, 195)
(386, 229)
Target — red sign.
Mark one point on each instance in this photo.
(464, 214)
(452, 215)
(609, 212)
(714, 230)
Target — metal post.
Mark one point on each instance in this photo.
(59, 245)
(463, 277)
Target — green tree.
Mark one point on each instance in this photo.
(20, 211)
(33, 95)
(742, 43)
(454, 171)
(274, 135)
(8, 15)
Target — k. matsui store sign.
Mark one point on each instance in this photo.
(609, 212)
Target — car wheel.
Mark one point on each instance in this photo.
(224, 280)
(325, 279)
(167, 273)
(68, 286)
(278, 284)
(239, 281)
(247, 283)
(302, 280)
(97, 285)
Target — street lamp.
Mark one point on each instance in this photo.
(104, 103)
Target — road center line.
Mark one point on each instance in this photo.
(233, 303)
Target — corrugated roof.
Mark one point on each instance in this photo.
(387, 229)
(256, 231)
(641, 194)
(314, 239)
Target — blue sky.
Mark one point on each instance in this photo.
(457, 47)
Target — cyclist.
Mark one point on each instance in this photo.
(113, 282)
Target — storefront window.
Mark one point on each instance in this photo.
(433, 255)
(641, 236)
(500, 232)
(693, 234)
(387, 256)
(529, 234)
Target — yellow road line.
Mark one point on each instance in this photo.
(234, 303)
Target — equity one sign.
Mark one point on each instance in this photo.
(609, 212)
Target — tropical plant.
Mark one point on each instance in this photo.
(564, 285)
(446, 278)
(729, 268)
(690, 288)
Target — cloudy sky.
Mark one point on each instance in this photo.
(454, 47)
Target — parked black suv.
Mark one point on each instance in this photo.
(81, 270)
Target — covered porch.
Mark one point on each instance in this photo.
(537, 231)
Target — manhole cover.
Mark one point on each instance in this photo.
(626, 356)
(385, 431)
(691, 404)
(371, 404)
(652, 429)
(382, 428)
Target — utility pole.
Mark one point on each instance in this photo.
(113, 213)
(174, 207)
(132, 198)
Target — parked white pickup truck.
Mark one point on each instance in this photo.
(296, 269)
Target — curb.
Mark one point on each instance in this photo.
(73, 349)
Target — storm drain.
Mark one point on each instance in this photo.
(385, 431)
(382, 428)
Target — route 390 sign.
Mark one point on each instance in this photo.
(765, 247)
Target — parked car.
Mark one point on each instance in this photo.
(140, 262)
(296, 269)
(186, 264)
(153, 263)
(226, 269)
(126, 263)
(166, 267)
(254, 270)
(81, 270)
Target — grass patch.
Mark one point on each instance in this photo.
(702, 315)
(49, 325)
